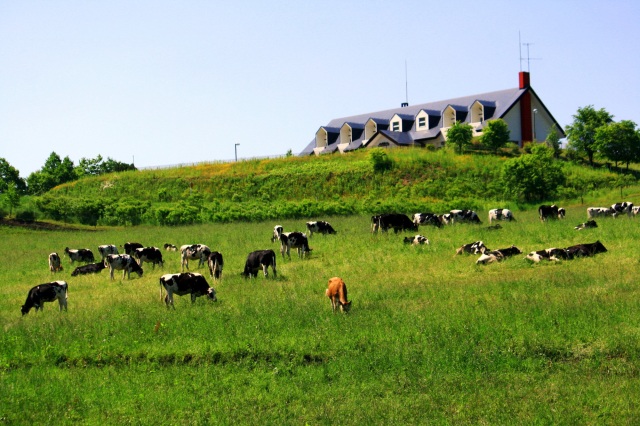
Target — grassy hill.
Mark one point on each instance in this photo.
(294, 187)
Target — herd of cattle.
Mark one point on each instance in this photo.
(196, 285)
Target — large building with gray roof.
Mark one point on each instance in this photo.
(527, 117)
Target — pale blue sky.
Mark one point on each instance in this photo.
(169, 82)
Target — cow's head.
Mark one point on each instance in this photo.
(24, 309)
(345, 307)
(211, 294)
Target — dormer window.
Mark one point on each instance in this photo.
(422, 122)
(395, 126)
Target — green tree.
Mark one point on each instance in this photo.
(460, 135)
(619, 142)
(534, 176)
(553, 141)
(581, 134)
(12, 198)
(10, 177)
(380, 160)
(495, 135)
(55, 171)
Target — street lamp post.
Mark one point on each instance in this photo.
(236, 150)
(535, 112)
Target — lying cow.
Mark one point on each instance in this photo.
(296, 240)
(320, 227)
(472, 248)
(586, 225)
(427, 219)
(79, 255)
(170, 247)
(551, 212)
(198, 252)
(47, 292)
(416, 240)
(621, 208)
(465, 216)
(585, 250)
(550, 254)
(497, 255)
(593, 212)
(124, 263)
(130, 248)
(151, 255)
(106, 250)
(277, 231)
(337, 293)
(259, 259)
(185, 283)
(55, 264)
(215, 263)
(500, 214)
(91, 268)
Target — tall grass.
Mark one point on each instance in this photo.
(431, 337)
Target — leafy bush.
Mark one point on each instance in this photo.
(380, 160)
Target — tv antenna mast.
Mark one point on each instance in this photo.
(529, 58)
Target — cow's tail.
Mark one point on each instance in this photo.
(273, 264)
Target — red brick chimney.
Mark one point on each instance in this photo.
(526, 127)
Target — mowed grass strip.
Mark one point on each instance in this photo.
(431, 337)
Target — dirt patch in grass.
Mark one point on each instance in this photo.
(42, 226)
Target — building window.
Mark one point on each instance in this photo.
(395, 126)
(422, 121)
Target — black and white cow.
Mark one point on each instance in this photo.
(277, 231)
(79, 255)
(185, 283)
(91, 268)
(427, 219)
(550, 254)
(396, 221)
(47, 292)
(215, 262)
(586, 225)
(472, 248)
(296, 240)
(259, 259)
(55, 264)
(497, 255)
(593, 212)
(151, 255)
(198, 252)
(501, 214)
(106, 250)
(375, 223)
(170, 247)
(320, 227)
(465, 216)
(416, 240)
(585, 250)
(124, 263)
(550, 212)
(621, 208)
(635, 210)
(130, 248)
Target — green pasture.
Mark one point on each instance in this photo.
(431, 338)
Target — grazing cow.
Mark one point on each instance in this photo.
(185, 283)
(320, 227)
(446, 219)
(193, 252)
(151, 255)
(375, 223)
(105, 250)
(215, 263)
(54, 263)
(465, 216)
(497, 255)
(337, 293)
(91, 268)
(396, 221)
(472, 248)
(593, 212)
(585, 250)
(550, 212)
(416, 240)
(586, 225)
(635, 210)
(277, 231)
(130, 248)
(124, 263)
(550, 254)
(297, 240)
(47, 292)
(170, 247)
(500, 214)
(79, 255)
(625, 207)
(427, 219)
(259, 259)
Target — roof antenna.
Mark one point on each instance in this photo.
(529, 59)
(406, 86)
